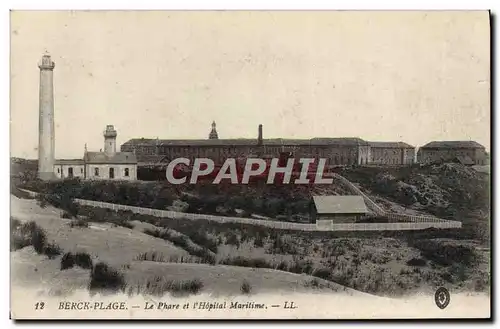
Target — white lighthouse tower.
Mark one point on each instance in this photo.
(46, 141)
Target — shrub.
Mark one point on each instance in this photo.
(202, 239)
(52, 250)
(66, 215)
(445, 254)
(31, 234)
(14, 223)
(79, 223)
(81, 259)
(152, 256)
(158, 286)
(41, 200)
(38, 239)
(126, 224)
(104, 277)
(67, 261)
(61, 200)
(323, 273)
(282, 266)
(183, 242)
(232, 239)
(301, 267)
(19, 236)
(246, 262)
(246, 288)
(155, 232)
(416, 262)
(314, 283)
(258, 242)
(281, 246)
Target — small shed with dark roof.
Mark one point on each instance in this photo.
(338, 208)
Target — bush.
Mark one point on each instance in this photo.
(126, 224)
(155, 232)
(152, 256)
(79, 223)
(20, 236)
(202, 239)
(416, 262)
(323, 273)
(232, 239)
(61, 200)
(157, 286)
(67, 261)
(281, 246)
(258, 242)
(445, 254)
(246, 288)
(38, 239)
(104, 277)
(66, 215)
(246, 262)
(182, 241)
(81, 259)
(282, 266)
(314, 283)
(52, 250)
(30, 233)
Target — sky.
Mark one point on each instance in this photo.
(381, 76)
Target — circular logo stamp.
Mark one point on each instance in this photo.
(442, 298)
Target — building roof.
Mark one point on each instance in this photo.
(399, 145)
(453, 144)
(340, 204)
(246, 142)
(69, 162)
(144, 158)
(116, 158)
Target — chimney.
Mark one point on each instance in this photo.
(259, 140)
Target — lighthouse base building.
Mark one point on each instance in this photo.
(100, 165)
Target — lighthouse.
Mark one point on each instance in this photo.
(46, 140)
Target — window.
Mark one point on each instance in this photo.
(111, 173)
(126, 172)
(96, 171)
(70, 172)
(81, 170)
(58, 170)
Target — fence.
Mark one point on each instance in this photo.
(191, 216)
(417, 222)
(386, 226)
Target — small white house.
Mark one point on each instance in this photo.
(100, 165)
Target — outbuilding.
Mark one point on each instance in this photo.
(337, 208)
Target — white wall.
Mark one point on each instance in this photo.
(62, 171)
(119, 171)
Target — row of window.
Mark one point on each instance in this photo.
(126, 172)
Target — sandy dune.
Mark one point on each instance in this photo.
(120, 247)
